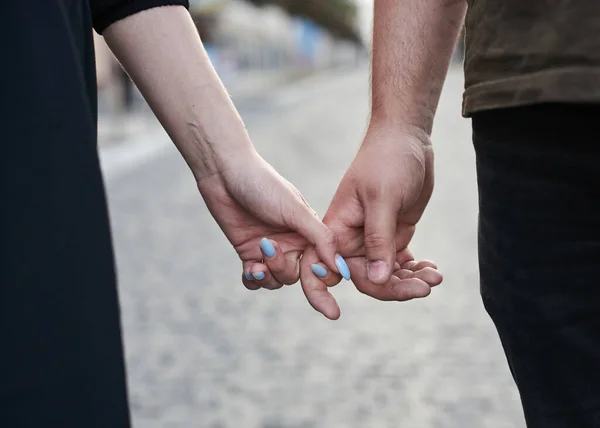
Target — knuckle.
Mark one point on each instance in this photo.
(286, 274)
(330, 238)
(376, 241)
(288, 277)
(275, 266)
(373, 192)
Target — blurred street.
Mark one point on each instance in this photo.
(203, 352)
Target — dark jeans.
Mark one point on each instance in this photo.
(539, 254)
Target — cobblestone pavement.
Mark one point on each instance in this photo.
(202, 351)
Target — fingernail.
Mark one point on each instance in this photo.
(342, 267)
(258, 275)
(377, 270)
(319, 270)
(267, 247)
(248, 276)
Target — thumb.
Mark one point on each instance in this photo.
(380, 243)
(306, 222)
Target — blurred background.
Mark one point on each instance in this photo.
(202, 351)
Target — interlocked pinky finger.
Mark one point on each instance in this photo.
(247, 278)
(325, 275)
(263, 277)
(315, 279)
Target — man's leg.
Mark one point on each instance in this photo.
(539, 254)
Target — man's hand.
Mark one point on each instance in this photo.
(267, 221)
(385, 191)
(373, 214)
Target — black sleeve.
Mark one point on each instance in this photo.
(106, 12)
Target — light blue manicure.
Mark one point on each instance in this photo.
(248, 276)
(319, 270)
(259, 275)
(267, 247)
(342, 267)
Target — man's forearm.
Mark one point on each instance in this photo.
(413, 42)
(161, 50)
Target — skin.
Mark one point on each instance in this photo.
(374, 215)
(161, 50)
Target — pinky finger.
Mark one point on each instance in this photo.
(315, 289)
(263, 277)
(430, 275)
(247, 278)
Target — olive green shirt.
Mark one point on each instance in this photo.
(523, 52)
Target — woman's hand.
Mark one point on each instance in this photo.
(267, 221)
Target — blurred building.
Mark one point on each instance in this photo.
(259, 36)
(267, 34)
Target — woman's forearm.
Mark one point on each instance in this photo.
(161, 50)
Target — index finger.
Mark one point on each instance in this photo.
(315, 289)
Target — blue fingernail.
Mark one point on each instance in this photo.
(258, 275)
(342, 267)
(248, 276)
(319, 270)
(267, 247)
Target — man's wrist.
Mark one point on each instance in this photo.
(397, 132)
(396, 113)
(413, 41)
